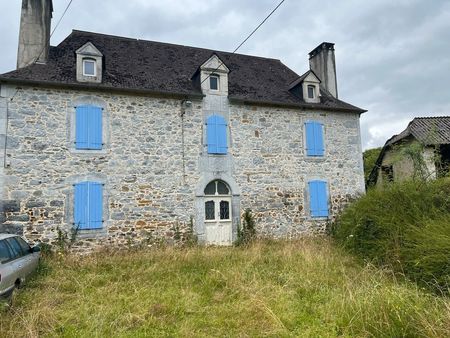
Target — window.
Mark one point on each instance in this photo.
(217, 188)
(218, 201)
(387, 172)
(88, 128)
(24, 245)
(214, 82)
(314, 139)
(224, 210)
(89, 67)
(311, 91)
(16, 250)
(5, 254)
(88, 208)
(216, 135)
(89, 63)
(318, 198)
(209, 210)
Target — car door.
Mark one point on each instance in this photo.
(17, 263)
(7, 278)
(31, 259)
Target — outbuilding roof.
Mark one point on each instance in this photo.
(427, 130)
(163, 68)
(434, 130)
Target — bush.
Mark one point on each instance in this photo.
(405, 226)
(247, 233)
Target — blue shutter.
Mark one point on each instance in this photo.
(314, 139)
(318, 198)
(211, 134)
(310, 145)
(81, 205)
(95, 127)
(95, 205)
(216, 135)
(88, 128)
(221, 131)
(318, 139)
(88, 208)
(81, 128)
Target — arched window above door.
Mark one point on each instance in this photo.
(217, 187)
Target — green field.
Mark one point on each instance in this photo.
(304, 288)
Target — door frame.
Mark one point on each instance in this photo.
(200, 198)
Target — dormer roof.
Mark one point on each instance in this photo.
(215, 64)
(308, 76)
(88, 49)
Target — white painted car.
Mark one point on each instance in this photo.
(17, 261)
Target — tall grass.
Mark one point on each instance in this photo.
(305, 288)
(405, 226)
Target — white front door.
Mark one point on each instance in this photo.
(218, 220)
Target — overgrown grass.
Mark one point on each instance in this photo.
(305, 288)
(405, 226)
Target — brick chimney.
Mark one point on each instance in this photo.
(323, 64)
(34, 35)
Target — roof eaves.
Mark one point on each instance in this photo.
(313, 106)
(90, 86)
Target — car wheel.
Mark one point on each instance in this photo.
(18, 284)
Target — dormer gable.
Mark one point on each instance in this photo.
(307, 87)
(89, 63)
(214, 76)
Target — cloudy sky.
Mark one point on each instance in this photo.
(393, 57)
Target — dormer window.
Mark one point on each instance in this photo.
(214, 82)
(311, 91)
(306, 87)
(89, 67)
(89, 64)
(213, 77)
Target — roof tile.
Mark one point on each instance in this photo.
(132, 64)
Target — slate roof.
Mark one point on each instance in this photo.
(162, 68)
(432, 130)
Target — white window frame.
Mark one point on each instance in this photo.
(313, 87)
(84, 67)
(218, 82)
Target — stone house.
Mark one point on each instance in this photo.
(420, 151)
(129, 140)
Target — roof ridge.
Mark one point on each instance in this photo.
(170, 44)
(432, 117)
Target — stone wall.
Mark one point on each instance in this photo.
(273, 170)
(3, 113)
(403, 166)
(151, 179)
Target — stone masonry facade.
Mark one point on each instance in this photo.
(152, 165)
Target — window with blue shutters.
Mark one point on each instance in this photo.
(216, 135)
(318, 198)
(88, 127)
(314, 139)
(88, 208)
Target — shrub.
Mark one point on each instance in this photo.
(406, 226)
(247, 233)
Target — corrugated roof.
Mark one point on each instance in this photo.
(427, 130)
(131, 64)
